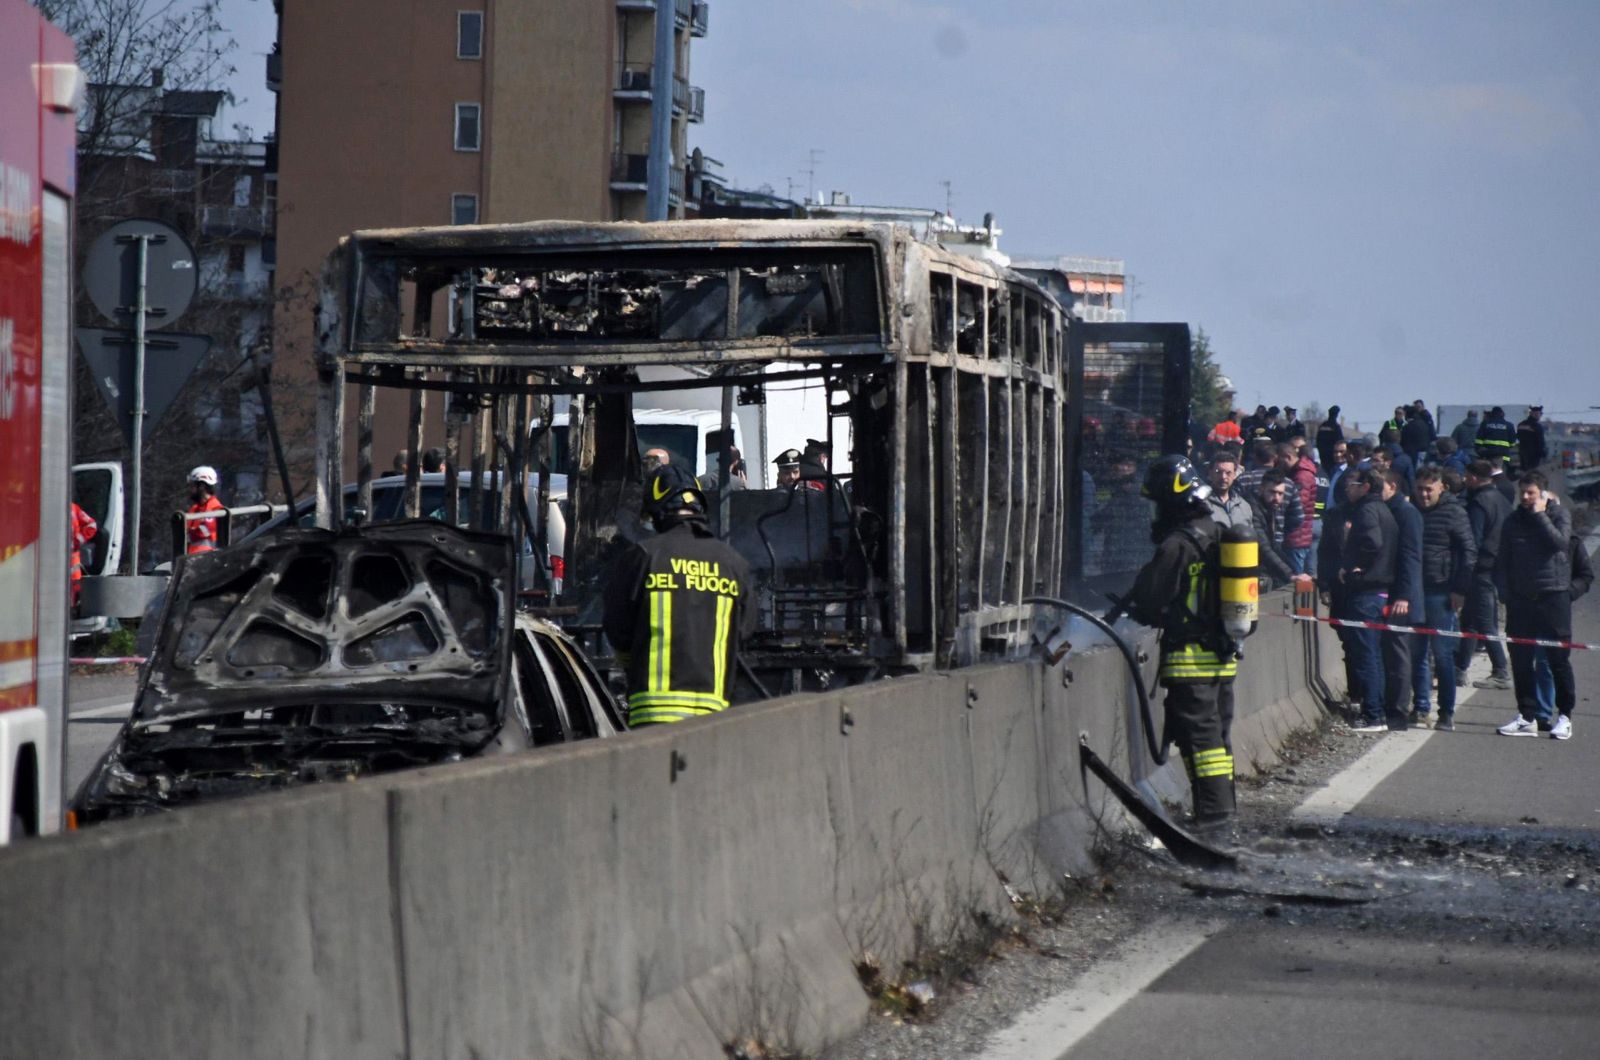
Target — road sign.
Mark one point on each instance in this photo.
(170, 359)
(111, 272)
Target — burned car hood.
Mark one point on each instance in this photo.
(413, 612)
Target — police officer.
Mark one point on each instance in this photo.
(788, 463)
(677, 607)
(1496, 437)
(1177, 591)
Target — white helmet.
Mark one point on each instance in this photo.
(207, 475)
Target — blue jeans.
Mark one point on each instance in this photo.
(1316, 543)
(1435, 653)
(1298, 558)
(1366, 659)
(1544, 687)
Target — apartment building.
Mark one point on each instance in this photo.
(413, 112)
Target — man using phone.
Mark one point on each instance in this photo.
(1533, 571)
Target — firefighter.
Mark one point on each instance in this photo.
(677, 607)
(202, 533)
(84, 529)
(1178, 591)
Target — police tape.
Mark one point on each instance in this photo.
(1426, 631)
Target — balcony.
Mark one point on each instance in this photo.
(630, 172)
(687, 100)
(235, 222)
(633, 81)
(692, 15)
(1099, 314)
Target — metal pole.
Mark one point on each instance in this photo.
(136, 471)
(658, 164)
(724, 467)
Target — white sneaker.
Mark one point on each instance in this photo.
(1562, 729)
(1519, 726)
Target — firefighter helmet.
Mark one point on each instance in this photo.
(1173, 484)
(205, 475)
(670, 489)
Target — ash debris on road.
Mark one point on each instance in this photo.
(1451, 886)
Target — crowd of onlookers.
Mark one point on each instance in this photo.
(1416, 527)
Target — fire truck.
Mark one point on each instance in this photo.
(40, 86)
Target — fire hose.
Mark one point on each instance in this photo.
(1185, 847)
(1157, 746)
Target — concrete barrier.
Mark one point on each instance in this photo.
(257, 928)
(655, 895)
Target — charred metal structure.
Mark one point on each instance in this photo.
(957, 381)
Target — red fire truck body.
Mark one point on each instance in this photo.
(39, 88)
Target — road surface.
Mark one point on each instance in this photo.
(99, 705)
(1438, 898)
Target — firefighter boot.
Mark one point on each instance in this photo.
(1211, 780)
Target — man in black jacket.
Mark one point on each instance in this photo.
(1544, 683)
(1367, 561)
(1530, 439)
(1416, 435)
(1271, 518)
(1533, 571)
(676, 608)
(1486, 511)
(1405, 603)
(1385, 457)
(1329, 434)
(1449, 553)
(1177, 591)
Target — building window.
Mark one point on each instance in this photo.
(463, 209)
(468, 132)
(469, 34)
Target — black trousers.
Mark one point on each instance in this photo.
(1199, 720)
(1396, 650)
(1481, 615)
(1547, 616)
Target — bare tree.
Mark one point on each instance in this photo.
(131, 51)
(147, 148)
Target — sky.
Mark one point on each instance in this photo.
(1361, 204)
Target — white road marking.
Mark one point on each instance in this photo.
(105, 708)
(1345, 791)
(1051, 1028)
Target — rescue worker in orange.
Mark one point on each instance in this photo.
(202, 533)
(84, 529)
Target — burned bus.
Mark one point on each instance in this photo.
(947, 393)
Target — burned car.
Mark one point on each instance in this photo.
(311, 655)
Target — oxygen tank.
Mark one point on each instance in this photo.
(1239, 585)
